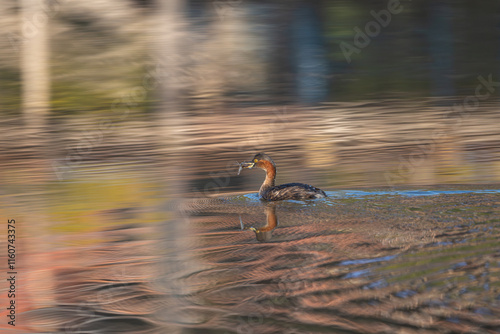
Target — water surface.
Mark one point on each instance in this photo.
(112, 255)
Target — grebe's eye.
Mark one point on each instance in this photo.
(255, 160)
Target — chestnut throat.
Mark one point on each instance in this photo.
(270, 177)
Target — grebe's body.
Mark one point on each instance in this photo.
(269, 192)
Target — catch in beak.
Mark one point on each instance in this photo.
(245, 164)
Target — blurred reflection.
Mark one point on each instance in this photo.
(264, 233)
(379, 256)
(106, 257)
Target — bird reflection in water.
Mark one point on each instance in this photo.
(264, 233)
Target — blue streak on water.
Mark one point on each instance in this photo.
(459, 265)
(409, 193)
(483, 311)
(358, 273)
(405, 293)
(376, 285)
(364, 261)
(254, 197)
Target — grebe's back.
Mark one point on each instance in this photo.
(295, 191)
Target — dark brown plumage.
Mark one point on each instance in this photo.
(269, 192)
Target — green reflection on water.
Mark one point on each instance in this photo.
(82, 205)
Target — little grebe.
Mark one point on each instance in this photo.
(269, 192)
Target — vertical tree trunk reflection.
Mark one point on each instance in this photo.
(35, 63)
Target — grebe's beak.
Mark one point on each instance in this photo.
(245, 164)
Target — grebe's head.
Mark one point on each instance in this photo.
(260, 160)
